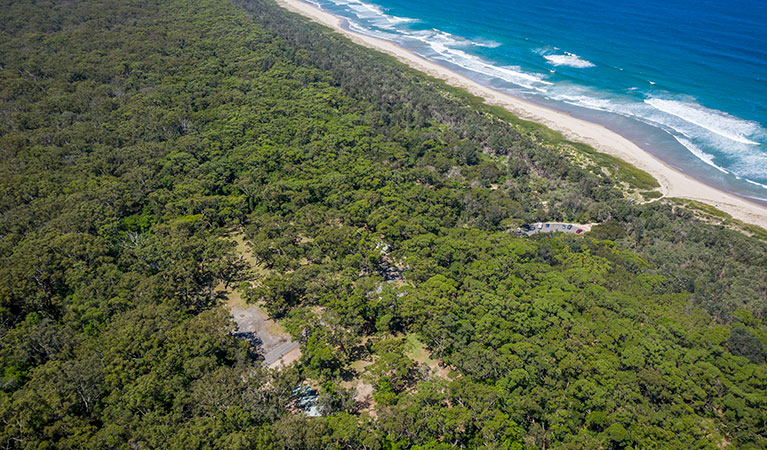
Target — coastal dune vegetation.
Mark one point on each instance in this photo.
(138, 137)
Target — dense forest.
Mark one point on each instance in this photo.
(136, 137)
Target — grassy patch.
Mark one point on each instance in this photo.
(707, 211)
(277, 329)
(623, 171)
(754, 230)
(704, 208)
(360, 365)
(417, 351)
(650, 195)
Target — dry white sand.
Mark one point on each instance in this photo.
(673, 183)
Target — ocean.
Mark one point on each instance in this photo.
(684, 79)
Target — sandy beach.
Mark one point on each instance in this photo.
(673, 183)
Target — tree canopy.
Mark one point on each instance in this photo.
(135, 136)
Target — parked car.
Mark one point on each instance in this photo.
(547, 225)
(570, 227)
(563, 226)
(540, 225)
(578, 231)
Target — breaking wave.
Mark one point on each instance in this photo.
(569, 60)
(717, 122)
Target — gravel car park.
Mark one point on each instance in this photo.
(553, 227)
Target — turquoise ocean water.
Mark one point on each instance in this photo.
(684, 79)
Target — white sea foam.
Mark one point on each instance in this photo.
(485, 43)
(756, 184)
(470, 62)
(746, 160)
(717, 122)
(568, 59)
(359, 28)
(700, 154)
(374, 14)
(751, 166)
(586, 101)
(445, 46)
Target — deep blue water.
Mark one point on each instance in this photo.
(684, 79)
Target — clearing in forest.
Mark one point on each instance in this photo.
(267, 336)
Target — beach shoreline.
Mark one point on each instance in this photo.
(673, 183)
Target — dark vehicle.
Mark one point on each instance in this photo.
(563, 226)
(547, 225)
(570, 227)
